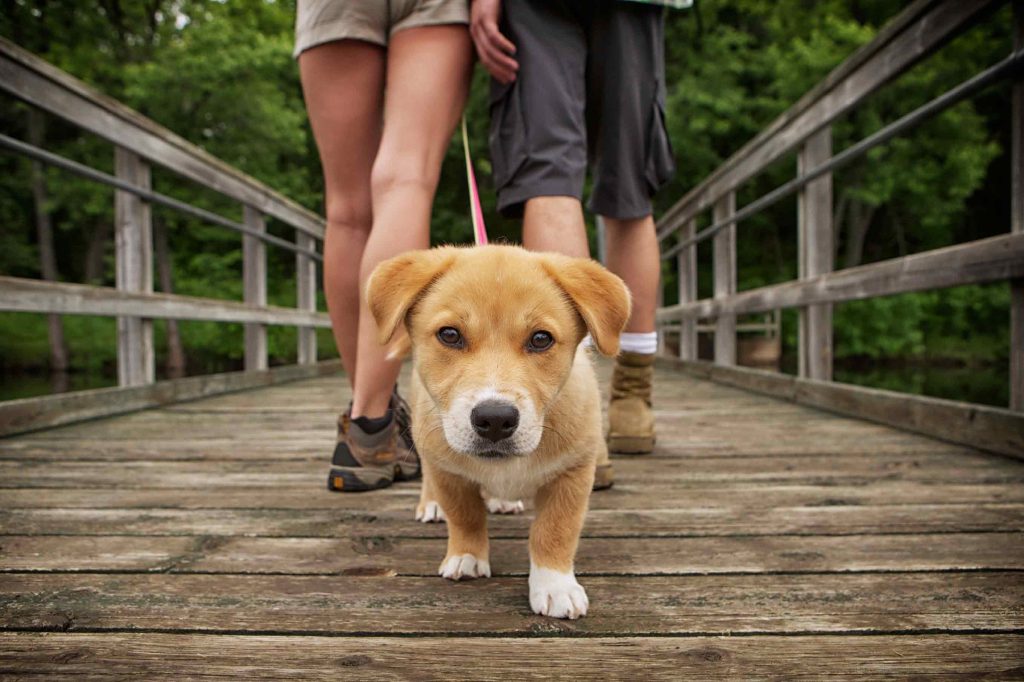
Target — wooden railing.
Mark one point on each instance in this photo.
(139, 143)
(805, 128)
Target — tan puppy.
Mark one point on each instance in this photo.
(503, 398)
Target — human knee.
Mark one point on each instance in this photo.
(349, 215)
(389, 175)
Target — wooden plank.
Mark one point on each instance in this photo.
(133, 237)
(697, 521)
(35, 296)
(814, 229)
(254, 287)
(811, 469)
(985, 260)
(921, 29)
(981, 426)
(686, 262)
(306, 285)
(725, 280)
(864, 603)
(34, 80)
(375, 556)
(29, 414)
(627, 494)
(1017, 219)
(498, 659)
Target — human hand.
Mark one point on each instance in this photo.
(493, 48)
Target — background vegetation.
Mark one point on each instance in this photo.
(220, 74)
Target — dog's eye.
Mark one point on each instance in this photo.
(450, 337)
(540, 341)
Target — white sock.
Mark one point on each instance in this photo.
(639, 342)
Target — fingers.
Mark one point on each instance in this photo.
(495, 51)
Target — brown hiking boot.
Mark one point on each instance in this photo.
(630, 418)
(604, 475)
(369, 456)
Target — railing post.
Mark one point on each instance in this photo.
(305, 282)
(1017, 220)
(725, 279)
(254, 282)
(686, 261)
(136, 363)
(814, 229)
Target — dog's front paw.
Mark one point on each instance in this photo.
(496, 506)
(464, 566)
(429, 512)
(556, 594)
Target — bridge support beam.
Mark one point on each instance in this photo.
(136, 361)
(1017, 220)
(686, 262)
(305, 282)
(815, 237)
(254, 287)
(724, 247)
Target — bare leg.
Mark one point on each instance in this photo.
(427, 82)
(633, 255)
(555, 224)
(343, 83)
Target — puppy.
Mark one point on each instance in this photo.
(504, 401)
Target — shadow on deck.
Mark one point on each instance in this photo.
(199, 540)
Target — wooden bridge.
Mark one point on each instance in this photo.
(786, 526)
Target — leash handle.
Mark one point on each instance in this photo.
(475, 210)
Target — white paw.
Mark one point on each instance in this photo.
(464, 566)
(556, 594)
(496, 506)
(430, 512)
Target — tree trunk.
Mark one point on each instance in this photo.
(860, 220)
(96, 253)
(44, 231)
(175, 350)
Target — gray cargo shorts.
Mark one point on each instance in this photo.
(590, 90)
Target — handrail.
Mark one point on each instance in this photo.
(806, 127)
(138, 143)
(58, 161)
(914, 34)
(38, 82)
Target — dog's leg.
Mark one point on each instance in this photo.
(554, 536)
(429, 509)
(468, 551)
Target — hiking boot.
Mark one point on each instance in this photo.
(604, 476)
(630, 418)
(372, 453)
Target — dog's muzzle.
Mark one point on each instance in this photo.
(494, 420)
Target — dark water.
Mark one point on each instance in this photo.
(987, 385)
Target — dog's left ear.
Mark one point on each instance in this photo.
(600, 297)
(396, 284)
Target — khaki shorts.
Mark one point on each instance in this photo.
(375, 21)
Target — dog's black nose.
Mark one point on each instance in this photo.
(494, 420)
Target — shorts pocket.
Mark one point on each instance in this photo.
(660, 164)
(507, 138)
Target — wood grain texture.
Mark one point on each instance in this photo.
(814, 232)
(719, 604)
(167, 656)
(34, 80)
(254, 288)
(417, 556)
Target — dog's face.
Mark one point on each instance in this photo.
(494, 331)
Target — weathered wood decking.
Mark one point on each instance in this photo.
(762, 539)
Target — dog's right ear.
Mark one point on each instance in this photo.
(396, 284)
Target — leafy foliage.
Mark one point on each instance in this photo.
(220, 74)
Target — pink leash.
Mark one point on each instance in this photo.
(475, 210)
